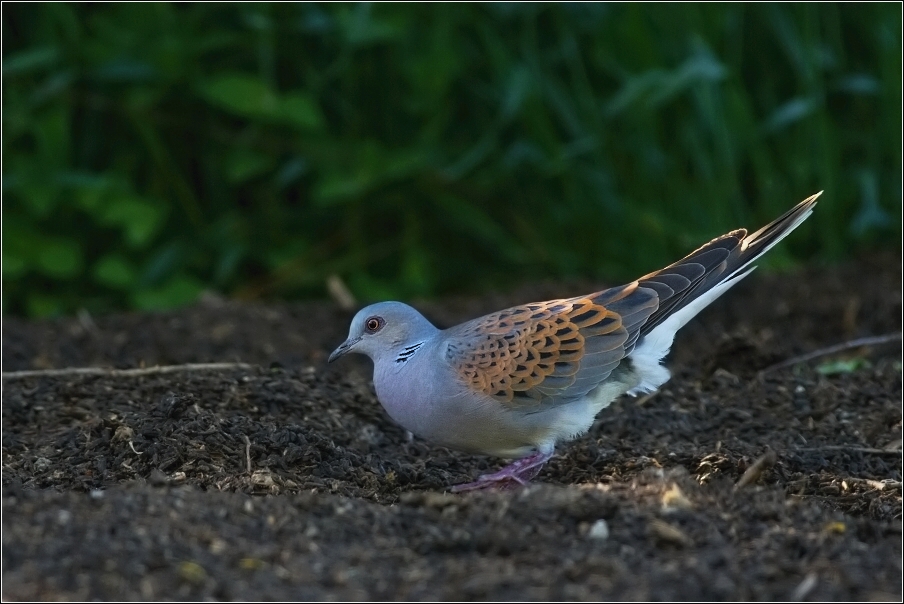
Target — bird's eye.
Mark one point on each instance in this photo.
(374, 324)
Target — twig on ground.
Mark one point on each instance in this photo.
(765, 461)
(870, 341)
(881, 485)
(73, 371)
(247, 452)
(852, 449)
(804, 587)
(340, 293)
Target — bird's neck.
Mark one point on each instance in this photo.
(400, 395)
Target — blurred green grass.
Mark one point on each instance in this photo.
(152, 151)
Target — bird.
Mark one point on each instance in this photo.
(515, 383)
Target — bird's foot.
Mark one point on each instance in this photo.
(512, 476)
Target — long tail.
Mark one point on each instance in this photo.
(694, 282)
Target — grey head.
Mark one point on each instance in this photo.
(384, 330)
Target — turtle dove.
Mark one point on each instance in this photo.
(516, 382)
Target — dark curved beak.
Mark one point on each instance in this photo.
(343, 348)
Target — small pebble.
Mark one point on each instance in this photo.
(599, 530)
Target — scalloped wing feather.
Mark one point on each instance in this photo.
(553, 351)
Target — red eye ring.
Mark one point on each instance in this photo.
(374, 324)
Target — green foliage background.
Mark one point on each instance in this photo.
(151, 151)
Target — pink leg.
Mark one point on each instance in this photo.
(517, 473)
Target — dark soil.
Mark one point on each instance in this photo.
(287, 480)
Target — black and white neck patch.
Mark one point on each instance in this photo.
(408, 352)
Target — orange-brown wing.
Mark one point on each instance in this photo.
(553, 351)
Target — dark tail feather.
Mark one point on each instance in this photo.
(722, 258)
